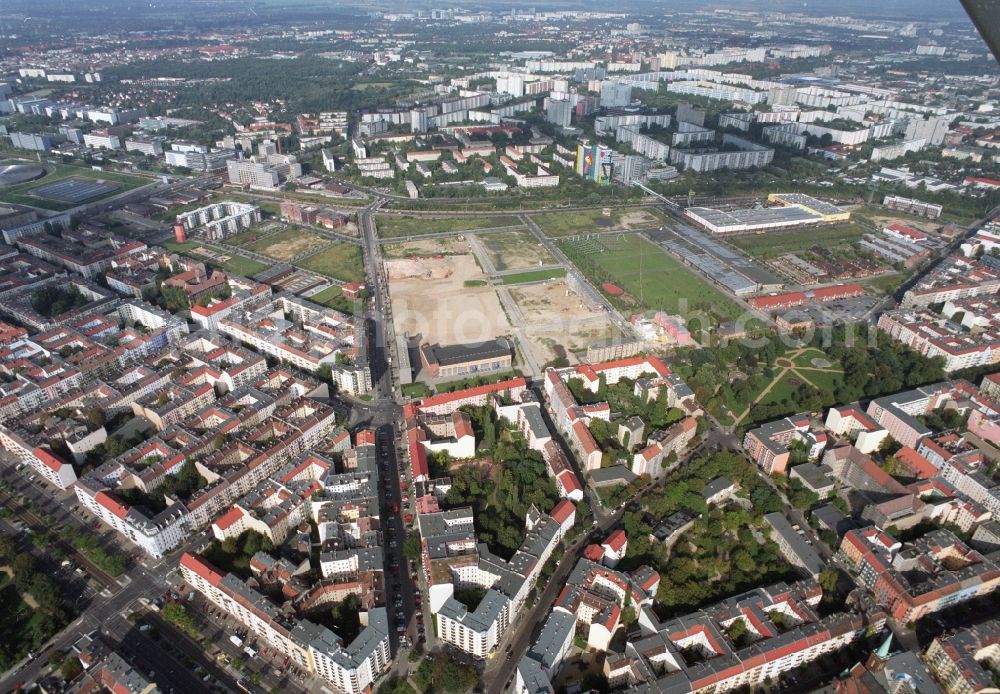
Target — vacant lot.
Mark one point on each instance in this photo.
(775, 243)
(429, 297)
(547, 345)
(341, 261)
(333, 298)
(258, 232)
(287, 244)
(513, 250)
(392, 227)
(230, 262)
(22, 194)
(650, 278)
(557, 321)
(590, 221)
(883, 284)
(444, 245)
(239, 265)
(875, 213)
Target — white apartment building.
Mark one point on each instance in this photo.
(222, 219)
(246, 172)
(45, 464)
(151, 146)
(349, 669)
(721, 92)
(155, 536)
(97, 140)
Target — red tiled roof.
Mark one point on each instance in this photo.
(444, 398)
(418, 454)
(569, 481)
(48, 459)
(616, 541)
(201, 568)
(906, 231)
(562, 511)
(838, 290)
(585, 438)
(463, 427)
(917, 463)
(984, 181)
(650, 581)
(860, 417)
(228, 518)
(778, 300)
(109, 502)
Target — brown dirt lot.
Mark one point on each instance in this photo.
(543, 342)
(637, 219)
(549, 302)
(515, 250)
(555, 315)
(930, 226)
(429, 297)
(445, 245)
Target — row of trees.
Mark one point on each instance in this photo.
(23, 629)
(89, 546)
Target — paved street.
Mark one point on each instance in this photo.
(385, 414)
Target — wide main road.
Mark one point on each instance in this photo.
(385, 415)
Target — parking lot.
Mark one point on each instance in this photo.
(257, 660)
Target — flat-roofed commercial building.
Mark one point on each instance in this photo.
(463, 360)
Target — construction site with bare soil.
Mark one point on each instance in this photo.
(444, 298)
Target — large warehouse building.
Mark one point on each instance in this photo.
(464, 360)
(796, 210)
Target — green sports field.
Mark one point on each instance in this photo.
(21, 193)
(651, 278)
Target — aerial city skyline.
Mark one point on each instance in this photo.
(521, 348)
